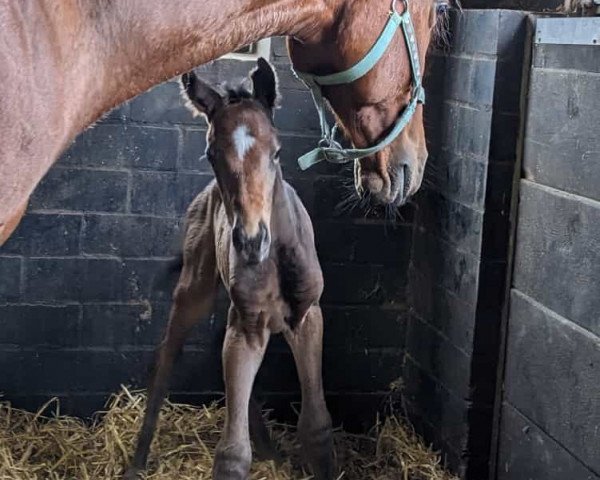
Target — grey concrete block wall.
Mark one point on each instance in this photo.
(83, 292)
(550, 422)
(460, 245)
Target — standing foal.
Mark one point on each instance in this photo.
(251, 229)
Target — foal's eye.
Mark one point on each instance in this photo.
(209, 154)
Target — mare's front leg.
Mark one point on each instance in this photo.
(246, 340)
(314, 424)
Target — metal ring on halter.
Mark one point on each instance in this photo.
(395, 3)
(324, 142)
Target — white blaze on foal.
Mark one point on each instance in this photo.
(243, 140)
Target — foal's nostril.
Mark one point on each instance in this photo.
(252, 249)
(263, 232)
(238, 236)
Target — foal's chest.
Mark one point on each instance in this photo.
(283, 287)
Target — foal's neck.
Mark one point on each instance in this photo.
(144, 42)
(284, 213)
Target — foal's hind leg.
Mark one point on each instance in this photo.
(190, 305)
(314, 424)
(192, 300)
(245, 344)
(264, 447)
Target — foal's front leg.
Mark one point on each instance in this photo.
(314, 424)
(246, 340)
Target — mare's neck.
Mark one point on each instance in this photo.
(69, 61)
(144, 42)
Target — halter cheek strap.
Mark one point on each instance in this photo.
(331, 150)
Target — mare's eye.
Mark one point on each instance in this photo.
(276, 155)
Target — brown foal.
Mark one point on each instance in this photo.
(64, 63)
(250, 229)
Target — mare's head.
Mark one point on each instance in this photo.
(367, 108)
(243, 149)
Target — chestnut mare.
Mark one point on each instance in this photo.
(64, 63)
(250, 230)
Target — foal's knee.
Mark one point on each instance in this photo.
(250, 331)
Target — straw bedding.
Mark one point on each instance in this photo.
(47, 446)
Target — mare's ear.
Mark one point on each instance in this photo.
(264, 84)
(203, 98)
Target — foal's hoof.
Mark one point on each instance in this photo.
(132, 474)
(317, 447)
(264, 452)
(323, 467)
(232, 462)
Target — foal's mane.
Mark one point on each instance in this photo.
(235, 92)
(231, 92)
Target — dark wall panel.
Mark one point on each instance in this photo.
(558, 253)
(552, 374)
(562, 135)
(527, 452)
(550, 421)
(528, 5)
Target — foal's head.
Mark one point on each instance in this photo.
(243, 149)
(368, 107)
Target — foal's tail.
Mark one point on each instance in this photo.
(175, 264)
(166, 279)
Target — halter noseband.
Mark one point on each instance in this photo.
(329, 149)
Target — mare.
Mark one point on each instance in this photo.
(65, 63)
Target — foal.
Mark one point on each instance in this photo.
(250, 229)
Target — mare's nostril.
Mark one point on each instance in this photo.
(372, 183)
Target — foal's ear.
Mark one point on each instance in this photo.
(203, 98)
(264, 82)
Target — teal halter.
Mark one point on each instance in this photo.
(329, 149)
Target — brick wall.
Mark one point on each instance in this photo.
(84, 297)
(460, 244)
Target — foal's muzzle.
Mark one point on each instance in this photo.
(252, 250)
